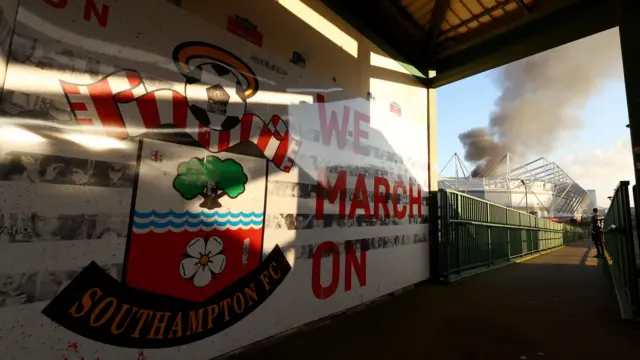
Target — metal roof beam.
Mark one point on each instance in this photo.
(434, 29)
(572, 204)
(546, 173)
(523, 6)
(533, 162)
(578, 190)
(562, 196)
(523, 168)
(563, 187)
(532, 172)
(475, 17)
(555, 171)
(580, 19)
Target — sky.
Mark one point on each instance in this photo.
(597, 156)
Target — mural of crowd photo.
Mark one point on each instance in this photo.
(26, 288)
(53, 169)
(307, 251)
(42, 225)
(37, 226)
(309, 221)
(32, 225)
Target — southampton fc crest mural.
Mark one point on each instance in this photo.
(194, 263)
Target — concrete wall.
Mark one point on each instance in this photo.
(170, 190)
(8, 10)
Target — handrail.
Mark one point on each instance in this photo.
(502, 225)
(485, 201)
(496, 205)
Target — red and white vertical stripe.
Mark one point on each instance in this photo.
(120, 105)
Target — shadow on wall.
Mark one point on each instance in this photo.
(200, 178)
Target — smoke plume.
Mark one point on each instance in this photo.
(540, 100)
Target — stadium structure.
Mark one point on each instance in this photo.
(539, 187)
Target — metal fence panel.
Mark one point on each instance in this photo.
(477, 234)
(620, 250)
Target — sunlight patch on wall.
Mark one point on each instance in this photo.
(387, 63)
(322, 25)
(394, 65)
(96, 142)
(32, 80)
(16, 134)
(399, 111)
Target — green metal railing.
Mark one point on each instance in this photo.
(620, 251)
(476, 234)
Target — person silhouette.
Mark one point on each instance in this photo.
(597, 233)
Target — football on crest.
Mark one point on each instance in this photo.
(216, 95)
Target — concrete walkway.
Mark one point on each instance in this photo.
(555, 306)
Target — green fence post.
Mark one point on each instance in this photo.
(489, 233)
(457, 232)
(506, 217)
(445, 225)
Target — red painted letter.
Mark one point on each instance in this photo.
(320, 291)
(360, 198)
(338, 189)
(58, 4)
(102, 16)
(333, 126)
(359, 133)
(397, 212)
(380, 196)
(352, 263)
(415, 200)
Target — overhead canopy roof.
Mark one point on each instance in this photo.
(461, 38)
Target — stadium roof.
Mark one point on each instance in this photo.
(568, 196)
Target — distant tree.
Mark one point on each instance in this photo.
(211, 179)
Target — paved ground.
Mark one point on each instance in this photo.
(556, 306)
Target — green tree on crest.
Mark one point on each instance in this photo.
(210, 178)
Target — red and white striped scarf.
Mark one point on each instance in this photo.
(120, 105)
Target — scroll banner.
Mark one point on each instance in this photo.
(121, 106)
(99, 307)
